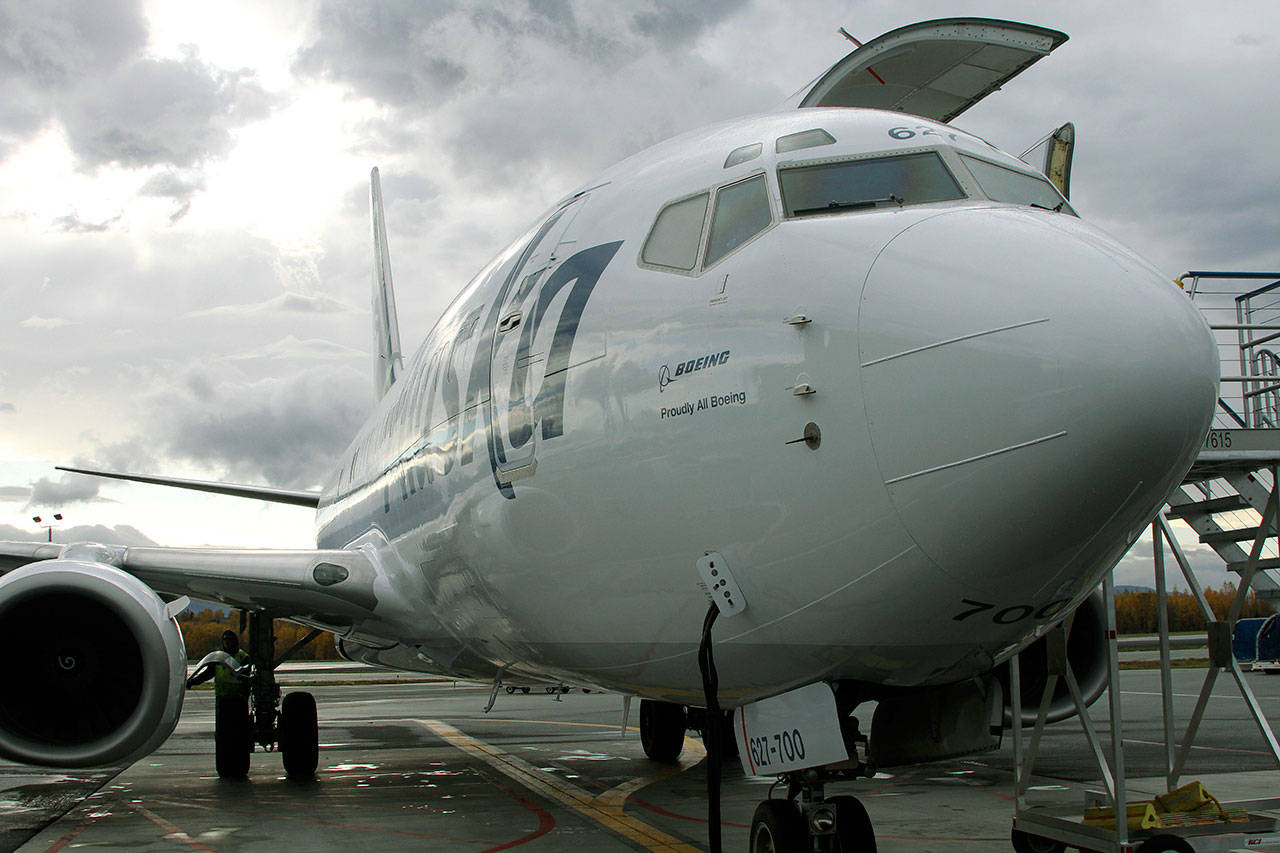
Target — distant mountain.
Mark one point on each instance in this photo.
(121, 534)
(1131, 588)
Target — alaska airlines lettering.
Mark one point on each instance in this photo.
(508, 427)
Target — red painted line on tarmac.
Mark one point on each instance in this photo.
(546, 821)
(660, 810)
(70, 836)
(170, 829)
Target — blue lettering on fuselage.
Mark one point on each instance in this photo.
(450, 443)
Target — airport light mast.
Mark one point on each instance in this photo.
(57, 516)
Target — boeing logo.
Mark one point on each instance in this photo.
(666, 375)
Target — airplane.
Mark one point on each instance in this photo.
(855, 381)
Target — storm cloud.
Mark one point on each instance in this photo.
(70, 489)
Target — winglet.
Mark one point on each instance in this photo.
(386, 328)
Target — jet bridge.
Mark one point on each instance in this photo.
(1231, 499)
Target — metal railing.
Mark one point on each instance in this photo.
(1244, 322)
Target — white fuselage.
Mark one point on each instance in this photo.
(1004, 397)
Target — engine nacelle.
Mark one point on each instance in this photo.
(1086, 655)
(95, 666)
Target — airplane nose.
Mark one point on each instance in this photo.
(1034, 391)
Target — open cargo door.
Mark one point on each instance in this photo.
(1052, 155)
(935, 69)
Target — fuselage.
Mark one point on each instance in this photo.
(917, 411)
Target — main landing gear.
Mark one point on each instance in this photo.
(291, 726)
(663, 726)
(806, 819)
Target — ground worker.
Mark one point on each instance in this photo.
(226, 683)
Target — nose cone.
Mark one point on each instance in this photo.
(1034, 392)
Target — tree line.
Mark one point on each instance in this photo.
(1136, 611)
(202, 632)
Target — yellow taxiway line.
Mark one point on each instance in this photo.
(606, 808)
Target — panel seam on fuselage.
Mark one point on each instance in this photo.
(978, 458)
(956, 340)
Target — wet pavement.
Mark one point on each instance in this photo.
(414, 765)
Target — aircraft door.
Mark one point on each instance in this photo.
(536, 320)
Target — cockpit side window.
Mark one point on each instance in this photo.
(1014, 186)
(676, 234)
(742, 211)
(863, 184)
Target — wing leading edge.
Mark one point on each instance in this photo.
(334, 589)
(237, 490)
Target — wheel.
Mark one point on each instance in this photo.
(662, 728)
(510, 689)
(1166, 844)
(854, 833)
(299, 735)
(524, 690)
(232, 736)
(1025, 842)
(778, 827)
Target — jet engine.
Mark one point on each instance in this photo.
(94, 665)
(1086, 655)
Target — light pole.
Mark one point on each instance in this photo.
(57, 516)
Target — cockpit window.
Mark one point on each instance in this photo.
(743, 154)
(803, 139)
(1014, 186)
(676, 234)
(742, 211)
(862, 184)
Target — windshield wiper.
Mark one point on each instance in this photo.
(848, 205)
(1057, 208)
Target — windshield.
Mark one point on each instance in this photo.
(862, 184)
(1014, 186)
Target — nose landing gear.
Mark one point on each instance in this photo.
(808, 820)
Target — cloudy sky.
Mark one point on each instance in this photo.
(183, 194)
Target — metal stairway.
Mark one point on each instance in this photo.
(1224, 497)
(1227, 513)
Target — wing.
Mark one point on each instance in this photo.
(236, 490)
(332, 589)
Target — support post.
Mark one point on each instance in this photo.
(1015, 704)
(1117, 718)
(1166, 666)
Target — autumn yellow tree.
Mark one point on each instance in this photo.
(1136, 611)
(202, 633)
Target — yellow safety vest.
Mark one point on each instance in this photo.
(226, 682)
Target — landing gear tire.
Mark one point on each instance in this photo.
(1166, 844)
(232, 736)
(662, 728)
(1025, 842)
(299, 735)
(778, 827)
(854, 833)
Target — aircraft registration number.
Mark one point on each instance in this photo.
(768, 749)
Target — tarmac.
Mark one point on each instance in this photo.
(413, 764)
